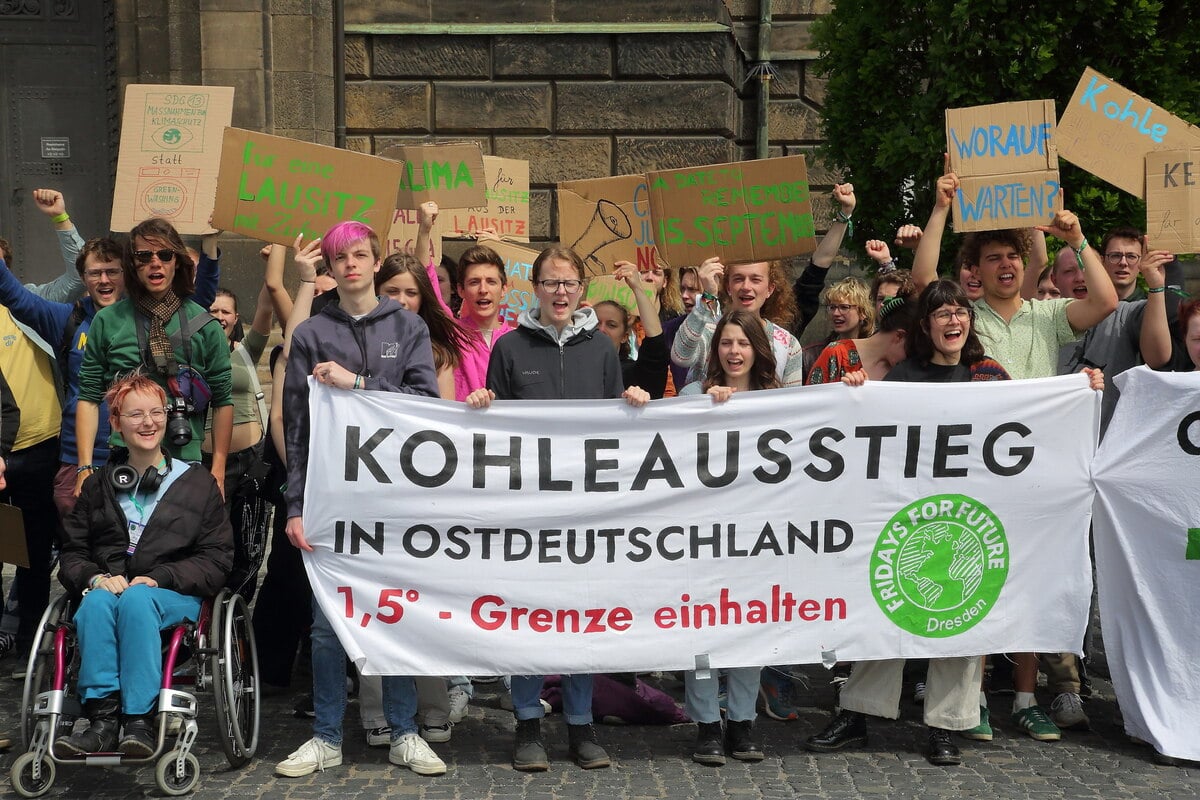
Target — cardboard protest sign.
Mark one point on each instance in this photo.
(13, 549)
(507, 203)
(170, 154)
(744, 211)
(518, 266)
(607, 220)
(450, 175)
(272, 188)
(1173, 200)
(609, 287)
(403, 235)
(1108, 131)
(1007, 165)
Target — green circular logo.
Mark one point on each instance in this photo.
(939, 565)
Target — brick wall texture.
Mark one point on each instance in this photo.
(583, 104)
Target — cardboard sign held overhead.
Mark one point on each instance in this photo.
(403, 235)
(744, 211)
(170, 154)
(607, 220)
(507, 206)
(1108, 131)
(609, 287)
(1173, 200)
(272, 188)
(450, 175)
(1007, 164)
(518, 266)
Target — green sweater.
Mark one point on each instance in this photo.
(112, 350)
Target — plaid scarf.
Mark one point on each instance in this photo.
(160, 312)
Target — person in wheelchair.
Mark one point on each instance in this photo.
(147, 541)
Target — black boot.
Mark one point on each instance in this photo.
(139, 739)
(529, 754)
(848, 729)
(584, 748)
(100, 736)
(942, 750)
(709, 749)
(739, 741)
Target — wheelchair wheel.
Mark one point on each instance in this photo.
(39, 671)
(168, 779)
(235, 678)
(23, 779)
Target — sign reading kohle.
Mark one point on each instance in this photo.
(170, 154)
(271, 188)
(450, 175)
(1007, 164)
(1173, 200)
(607, 220)
(1108, 131)
(743, 211)
(506, 210)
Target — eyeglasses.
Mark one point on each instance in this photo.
(945, 315)
(138, 417)
(97, 274)
(840, 307)
(146, 256)
(1117, 258)
(553, 286)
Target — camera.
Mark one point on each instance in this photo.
(179, 430)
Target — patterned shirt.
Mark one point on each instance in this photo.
(1028, 345)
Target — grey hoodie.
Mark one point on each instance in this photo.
(389, 347)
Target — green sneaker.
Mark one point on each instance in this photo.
(1036, 723)
(983, 731)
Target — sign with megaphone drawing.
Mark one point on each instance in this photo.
(744, 211)
(607, 220)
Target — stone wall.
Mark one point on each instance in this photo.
(580, 90)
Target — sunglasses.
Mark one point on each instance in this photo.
(146, 256)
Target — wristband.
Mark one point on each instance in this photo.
(86, 468)
(1159, 290)
(57, 218)
(357, 380)
(841, 217)
(708, 296)
(1079, 251)
(302, 280)
(887, 266)
(97, 579)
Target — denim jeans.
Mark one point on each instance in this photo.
(119, 643)
(576, 694)
(741, 693)
(329, 687)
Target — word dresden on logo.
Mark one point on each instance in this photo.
(939, 565)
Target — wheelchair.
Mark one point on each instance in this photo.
(216, 652)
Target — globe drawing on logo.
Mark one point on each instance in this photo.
(172, 136)
(939, 565)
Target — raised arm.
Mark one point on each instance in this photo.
(1101, 299)
(426, 216)
(925, 260)
(1154, 340)
(68, 287)
(1038, 259)
(275, 256)
(208, 270)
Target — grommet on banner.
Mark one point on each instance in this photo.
(703, 670)
(829, 659)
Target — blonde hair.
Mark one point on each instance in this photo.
(853, 292)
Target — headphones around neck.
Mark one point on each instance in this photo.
(124, 478)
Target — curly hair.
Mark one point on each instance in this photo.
(780, 307)
(762, 373)
(901, 278)
(853, 292)
(449, 339)
(973, 243)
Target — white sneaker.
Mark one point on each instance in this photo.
(379, 737)
(411, 751)
(313, 755)
(436, 733)
(1067, 711)
(458, 705)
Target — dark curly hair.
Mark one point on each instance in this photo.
(919, 344)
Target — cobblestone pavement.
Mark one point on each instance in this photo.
(652, 762)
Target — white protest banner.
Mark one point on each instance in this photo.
(787, 526)
(1007, 164)
(1147, 534)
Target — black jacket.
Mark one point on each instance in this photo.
(530, 364)
(187, 545)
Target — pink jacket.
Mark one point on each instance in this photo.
(471, 372)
